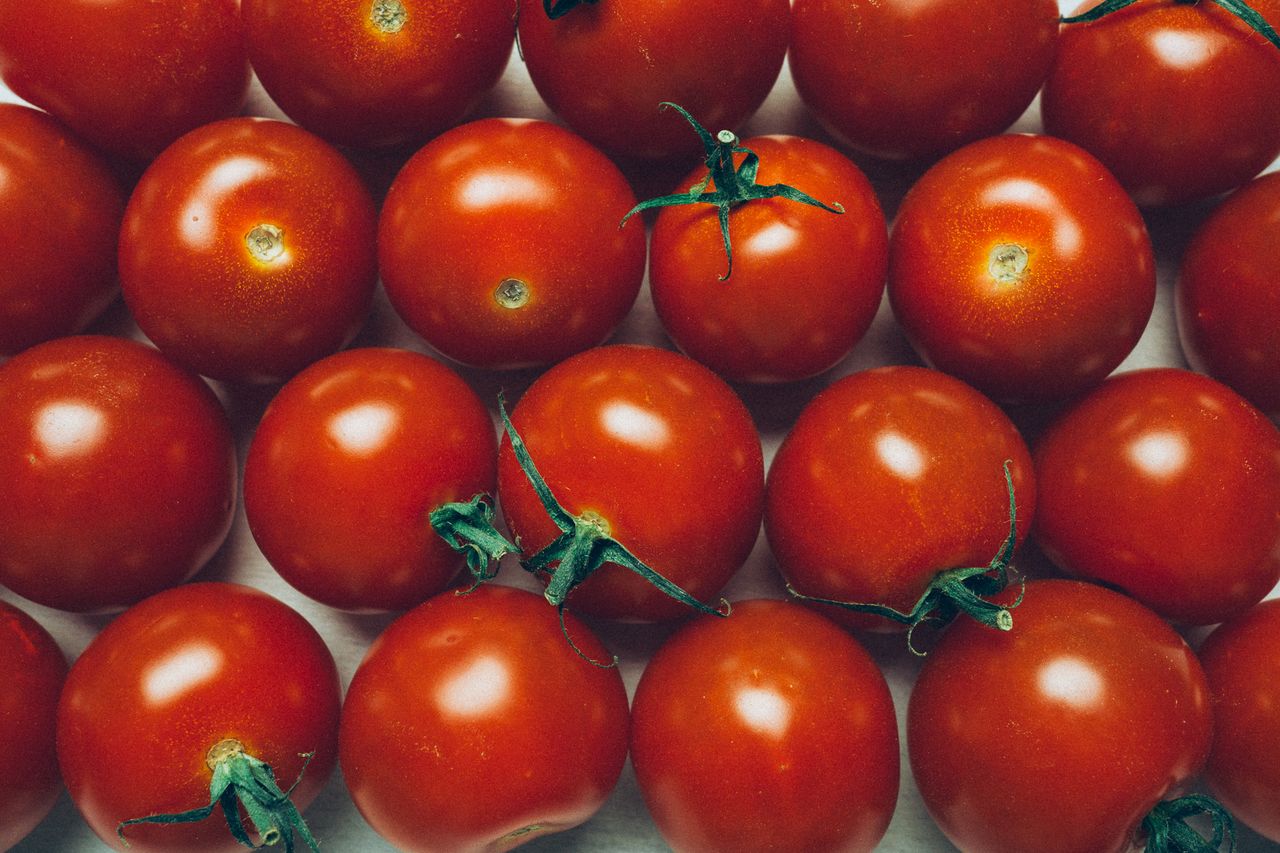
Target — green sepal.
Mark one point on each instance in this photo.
(1167, 830)
(1239, 8)
(468, 528)
(560, 8)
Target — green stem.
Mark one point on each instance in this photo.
(560, 8)
(1239, 8)
(1168, 832)
(468, 528)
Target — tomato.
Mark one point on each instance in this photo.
(248, 250)
(916, 80)
(1181, 101)
(60, 210)
(806, 282)
(556, 274)
(737, 723)
(119, 473)
(1062, 734)
(348, 461)
(1019, 265)
(888, 477)
(377, 73)
(130, 76)
(1227, 299)
(604, 68)
(481, 693)
(1166, 484)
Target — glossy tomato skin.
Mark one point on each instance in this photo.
(1061, 734)
(888, 477)
(119, 472)
(130, 76)
(1019, 265)
(380, 73)
(60, 209)
(605, 68)
(1181, 101)
(1165, 484)
(481, 692)
(737, 722)
(347, 464)
(662, 451)
(806, 282)
(916, 80)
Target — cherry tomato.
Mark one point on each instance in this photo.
(1228, 301)
(130, 76)
(888, 477)
(473, 725)
(1165, 484)
(248, 250)
(119, 473)
(919, 79)
(806, 282)
(60, 210)
(556, 275)
(737, 723)
(1062, 734)
(1019, 265)
(377, 73)
(1181, 101)
(348, 461)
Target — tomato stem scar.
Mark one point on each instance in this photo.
(388, 16)
(1008, 263)
(511, 293)
(265, 242)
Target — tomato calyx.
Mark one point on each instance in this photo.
(468, 528)
(1239, 8)
(560, 8)
(1167, 830)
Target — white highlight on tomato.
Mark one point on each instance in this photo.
(1072, 681)
(179, 672)
(478, 690)
(778, 237)
(363, 429)
(1183, 50)
(1159, 453)
(634, 425)
(500, 188)
(763, 711)
(900, 454)
(69, 428)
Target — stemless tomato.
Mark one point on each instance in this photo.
(915, 80)
(119, 473)
(556, 274)
(1019, 265)
(60, 210)
(176, 675)
(1179, 100)
(480, 694)
(377, 73)
(806, 282)
(248, 250)
(1062, 734)
(348, 462)
(771, 729)
(1165, 484)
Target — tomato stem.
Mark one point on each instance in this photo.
(1168, 832)
(1239, 8)
(560, 8)
(468, 528)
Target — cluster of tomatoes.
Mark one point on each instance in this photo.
(301, 265)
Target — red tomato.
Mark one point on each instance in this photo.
(348, 461)
(737, 723)
(1228, 295)
(556, 275)
(60, 210)
(1062, 734)
(1019, 265)
(248, 250)
(919, 79)
(32, 670)
(119, 473)
(888, 477)
(806, 282)
(130, 76)
(1166, 484)
(380, 73)
(1181, 101)
(481, 694)
(176, 675)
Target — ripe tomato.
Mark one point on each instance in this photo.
(1181, 101)
(248, 250)
(119, 473)
(377, 73)
(348, 461)
(1062, 734)
(888, 477)
(556, 276)
(916, 80)
(1019, 265)
(480, 693)
(737, 722)
(1166, 484)
(175, 676)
